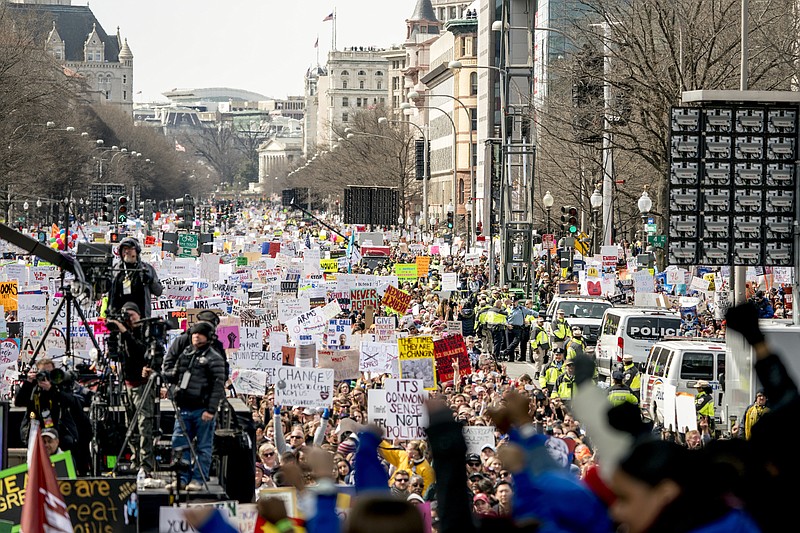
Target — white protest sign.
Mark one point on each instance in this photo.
(477, 437)
(643, 281)
(449, 281)
(384, 328)
(255, 360)
(251, 339)
(32, 311)
(9, 351)
(250, 382)
(378, 357)
(699, 284)
(685, 412)
(676, 276)
(343, 362)
(311, 322)
(179, 292)
(291, 308)
(376, 407)
(306, 387)
(406, 416)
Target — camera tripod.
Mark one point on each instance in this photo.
(147, 396)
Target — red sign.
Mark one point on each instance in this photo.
(548, 241)
(149, 240)
(449, 352)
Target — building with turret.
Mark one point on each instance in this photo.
(74, 36)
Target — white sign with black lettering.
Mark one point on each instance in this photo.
(306, 387)
(406, 416)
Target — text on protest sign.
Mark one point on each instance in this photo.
(451, 351)
(396, 300)
(361, 298)
(306, 387)
(477, 437)
(343, 362)
(378, 357)
(406, 416)
(416, 360)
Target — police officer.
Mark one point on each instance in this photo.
(565, 384)
(620, 393)
(631, 376)
(495, 321)
(577, 345)
(540, 344)
(552, 371)
(138, 368)
(704, 403)
(560, 330)
(516, 324)
(135, 281)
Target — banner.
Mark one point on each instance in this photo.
(416, 360)
(306, 387)
(361, 298)
(396, 300)
(449, 351)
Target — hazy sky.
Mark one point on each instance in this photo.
(258, 45)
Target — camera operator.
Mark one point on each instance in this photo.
(184, 340)
(199, 377)
(137, 369)
(49, 403)
(135, 281)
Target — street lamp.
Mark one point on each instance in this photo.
(644, 204)
(548, 201)
(596, 200)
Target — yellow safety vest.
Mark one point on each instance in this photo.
(561, 330)
(621, 395)
(565, 387)
(540, 339)
(550, 375)
(632, 377)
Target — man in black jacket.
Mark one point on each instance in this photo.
(198, 375)
(135, 281)
(184, 340)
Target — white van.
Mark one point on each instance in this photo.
(632, 330)
(678, 365)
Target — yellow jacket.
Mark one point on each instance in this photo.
(399, 459)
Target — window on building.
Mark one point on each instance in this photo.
(361, 84)
(473, 84)
(395, 101)
(473, 118)
(453, 12)
(124, 79)
(442, 13)
(395, 83)
(474, 154)
(344, 84)
(362, 73)
(379, 85)
(124, 95)
(461, 191)
(345, 116)
(382, 101)
(345, 73)
(379, 73)
(358, 102)
(345, 102)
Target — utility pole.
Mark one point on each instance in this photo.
(739, 273)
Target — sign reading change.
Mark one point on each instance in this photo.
(306, 387)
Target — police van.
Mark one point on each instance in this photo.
(675, 366)
(632, 330)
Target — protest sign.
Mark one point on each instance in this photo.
(406, 416)
(8, 295)
(384, 328)
(396, 300)
(449, 281)
(406, 271)
(9, 351)
(288, 353)
(451, 352)
(378, 358)
(251, 339)
(250, 382)
(344, 363)
(32, 311)
(477, 437)
(312, 322)
(643, 281)
(423, 265)
(306, 387)
(339, 332)
(376, 407)
(329, 265)
(361, 298)
(255, 360)
(228, 336)
(416, 361)
(453, 327)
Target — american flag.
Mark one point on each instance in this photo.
(329, 17)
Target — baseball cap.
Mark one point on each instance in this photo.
(50, 432)
(308, 411)
(488, 446)
(473, 457)
(617, 375)
(569, 362)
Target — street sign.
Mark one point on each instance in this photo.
(651, 229)
(659, 241)
(548, 241)
(582, 244)
(188, 240)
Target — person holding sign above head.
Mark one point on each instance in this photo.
(198, 376)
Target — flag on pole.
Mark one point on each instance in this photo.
(179, 147)
(44, 508)
(329, 17)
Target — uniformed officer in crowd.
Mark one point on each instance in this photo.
(631, 376)
(560, 330)
(620, 393)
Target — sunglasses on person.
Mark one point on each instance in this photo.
(474, 463)
(295, 436)
(267, 454)
(402, 479)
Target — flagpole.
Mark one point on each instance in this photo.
(334, 29)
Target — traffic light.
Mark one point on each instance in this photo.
(122, 209)
(450, 219)
(419, 159)
(184, 209)
(108, 208)
(569, 219)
